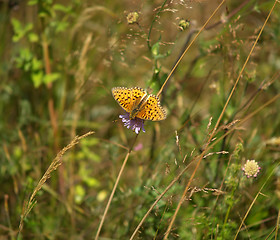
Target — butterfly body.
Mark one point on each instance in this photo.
(139, 104)
(137, 108)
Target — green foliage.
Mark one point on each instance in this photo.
(21, 31)
(59, 62)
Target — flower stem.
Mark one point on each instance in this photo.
(150, 30)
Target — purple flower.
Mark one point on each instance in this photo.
(135, 124)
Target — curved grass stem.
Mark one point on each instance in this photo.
(56, 162)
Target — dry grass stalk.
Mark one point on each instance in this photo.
(56, 162)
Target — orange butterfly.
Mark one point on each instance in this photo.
(139, 104)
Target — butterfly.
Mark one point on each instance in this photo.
(139, 104)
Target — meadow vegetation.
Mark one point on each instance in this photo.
(69, 167)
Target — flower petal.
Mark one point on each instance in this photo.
(135, 124)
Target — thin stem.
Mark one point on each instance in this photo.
(150, 30)
(255, 199)
(6, 208)
(113, 190)
(245, 119)
(184, 53)
(53, 113)
(157, 200)
(216, 126)
(56, 162)
(80, 80)
(277, 225)
(228, 210)
(213, 144)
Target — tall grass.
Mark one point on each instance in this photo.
(215, 66)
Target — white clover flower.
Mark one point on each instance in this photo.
(251, 168)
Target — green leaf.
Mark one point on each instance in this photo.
(37, 78)
(17, 152)
(62, 8)
(91, 182)
(24, 59)
(28, 27)
(155, 49)
(27, 66)
(88, 153)
(16, 25)
(36, 64)
(101, 196)
(49, 78)
(89, 141)
(26, 54)
(61, 26)
(33, 37)
(80, 193)
(32, 2)
(19, 29)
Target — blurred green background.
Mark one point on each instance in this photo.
(59, 61)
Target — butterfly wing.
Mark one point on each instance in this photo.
(152, 110)
(128, 98)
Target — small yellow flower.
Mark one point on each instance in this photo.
(251, 168)
(132, 17)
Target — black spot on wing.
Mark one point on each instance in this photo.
(122, 96)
